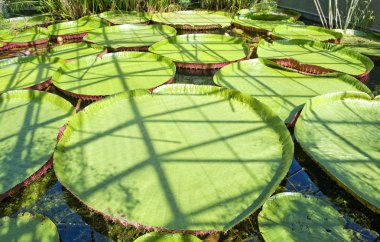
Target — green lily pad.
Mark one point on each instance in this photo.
(202, 48)
(75, 50)
(280, 11)
(341, 133)
(28, 228)
(167, 237)
(24, 72)
(296, 217)
(82, 25)
(365, 43)
(130, 35)
(321, 55)
(126, 17)
(261, 25)
(193, 19)
(11, 24)
(271, 16)
(164, 159)
(285, 92)
(306, 32)
(113, 73)
(29, 35)
(29, 123)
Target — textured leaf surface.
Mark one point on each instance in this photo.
(75, 50)
(126, 17)
(81, 25)
(341, 133)
(192, 18)
(27, 228)
(202, 48)
(296, 217)
(167, 237)
(183, 158)
(325, 55)
(113, 73)
(29, 123)
(306, 32)
(130, 35)
(28, 35)
(365, 43)
(283, 91)
(23, 72)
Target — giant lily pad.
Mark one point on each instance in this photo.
(126, 17)
(314, 33)
(27, 37)
(270, 16)
(27, 72)
(261, 26)
(296, 217)
(287, 12)
(28, 228)
(130, 36)
(202, 51)
(283, 91)
(194, 158)
(93, 77)
(341, 133)
(11, 24)
(193, 19)
(76, 50)
(76, 29)
(365, 43)
(29, 123)
(316, 57)
(167, 237)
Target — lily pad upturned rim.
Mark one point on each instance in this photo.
(89, 38)
(253, 25)
(298, 196)
(16, 44)
(33, 217)
(325, 99)
(193, 27)
(74, 35)
(37, 95)
(102, 49)
(199, 65)
(343, 77)
(267, 114)
(24, 59)
(127, 54)
(109, 14)
(294, 65)
(337, 36)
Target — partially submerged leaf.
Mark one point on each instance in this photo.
(195, 158)
(296, 217)
(340, 131)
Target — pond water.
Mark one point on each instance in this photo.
(76, 223)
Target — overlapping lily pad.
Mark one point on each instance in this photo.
(126, 17)
(316, 58)
(130, 36)
(17, 23)
(27, 37)
(314, 33)
(187, 140)
(76, 29)
(28, 228)
(296, 217)
(29, 123)
(27, 72)
(341, 133)
(167, 237)
(365, 43)
(193, 19)
(202, 51)
(285, 92)
(93, 77)
(260, 26)
(76, 50)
